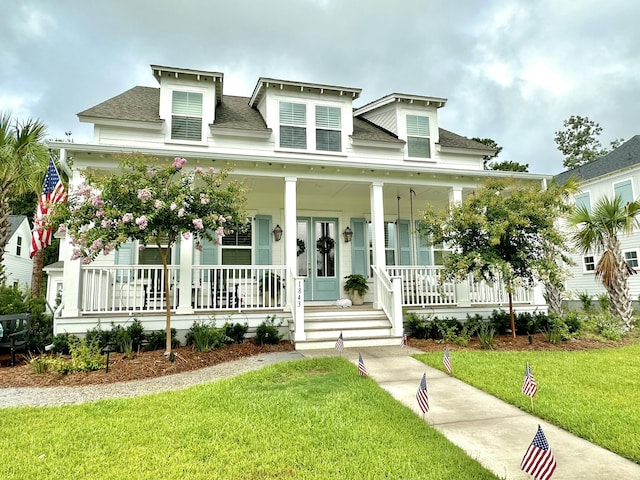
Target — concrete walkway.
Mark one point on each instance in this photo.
(489, 430)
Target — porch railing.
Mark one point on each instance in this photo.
(124, 288)
(495, 293)
(420, 286)
(389, 299)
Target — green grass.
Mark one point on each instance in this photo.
(305, 420)
(593, 394)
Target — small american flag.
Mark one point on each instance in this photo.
(403, 343)
(52, 192)
(362, 370)
(422, 396)
(340, 343)
(539, 461)
(446, 360)
(529, 386)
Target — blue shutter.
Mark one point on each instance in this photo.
(624, 190)
(124, 256)
(263, 240)
(584, 199)
(208, 255)
(359, 247)
(424, 250)
(404, 242)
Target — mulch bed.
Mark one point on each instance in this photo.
(156, 364)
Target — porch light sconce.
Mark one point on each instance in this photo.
(277, 233)
(348, 234)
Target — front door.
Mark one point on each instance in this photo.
(318, 257)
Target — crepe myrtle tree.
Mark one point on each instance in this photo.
(153, 202)
(503, 230)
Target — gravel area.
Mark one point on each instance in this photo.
(52, 396)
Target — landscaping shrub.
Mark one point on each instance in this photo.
(61, 343)
(205, 336)
(268, 332)
(575, 322)
(500, 321)
(609, 326)
(157, 339)
(586, 300)
(236, 332)
(417, 326)
(486, 336)
(604, 300)
(13, 300)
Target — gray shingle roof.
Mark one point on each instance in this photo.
(14, 223)
(142, 104)
(626, 155)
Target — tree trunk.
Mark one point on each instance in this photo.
(553, 297)
(620, 304)
(36, 274)
(4, 228)
(512, 319)
(165, 270)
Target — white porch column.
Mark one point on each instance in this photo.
(377, 224)
(295, 293)
(455, 196)
(185, 283)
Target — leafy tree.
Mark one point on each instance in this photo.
(23, 162)
(579, 143)
(502, 230)
(153, 202)
(508, 166)
(489, 143)
(599, 230)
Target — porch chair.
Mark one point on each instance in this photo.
(15, 333)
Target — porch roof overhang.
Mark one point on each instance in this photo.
(304, 162)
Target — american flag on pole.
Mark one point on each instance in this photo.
(539, 461)
(52, 192)
(362, 370)
(422, 396)
(446, 360)
(340, 343)
(529, 386)
(403, 343)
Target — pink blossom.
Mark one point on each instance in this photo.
(83, 190)
(158, 204)
(179, 162)
(199, 247)
(62, 229)
(97, 244)
(220, 231)
(141, 247)
(128, 217)
(181, 212)
(142, 222)
(144, 194)
(96, 200)
(216, 241)
(106, 223)
(186, 235)
(197, 222)
(152, 173)
(198, 170)
(204, 199)
(212, 170)
(173, 206)
(77, 253)
(86, 261)
(100, 213)
(221, 219)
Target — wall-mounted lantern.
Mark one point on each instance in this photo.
(277, 233)
(347, 234)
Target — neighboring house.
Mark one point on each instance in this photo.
(18, 267)
(617, 173)
(334, 189)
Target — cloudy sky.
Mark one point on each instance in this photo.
(512, 71)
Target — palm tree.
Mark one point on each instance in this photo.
(598, 231)
(23, 162)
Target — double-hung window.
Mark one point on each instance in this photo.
(589, 263)
(584, 200)
(328, 133)
(418, 138)
(186, 116)
(389, 244)
(631, 257)
(19, 246)
(293, 125)
(236, 247)
(624, 190)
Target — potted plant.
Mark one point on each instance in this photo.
(356, 287)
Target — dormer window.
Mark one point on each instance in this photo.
(293, 121)
(418, 139)
(186, 116)
(328, 133)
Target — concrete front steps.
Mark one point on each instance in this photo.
(360, 327)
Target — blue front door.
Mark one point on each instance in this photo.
(318, 257)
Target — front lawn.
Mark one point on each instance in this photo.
(593, 394)
(305, 419)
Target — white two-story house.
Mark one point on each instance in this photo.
(617, 173)
(335, 189)
(18, 267)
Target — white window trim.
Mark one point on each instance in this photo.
(203, 127)
(637, 259)
(584, 263)
(311, 127)
(624, 180)
(430, 136)
(251, 247)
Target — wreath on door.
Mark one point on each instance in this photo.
(325, 244)
(301, 247)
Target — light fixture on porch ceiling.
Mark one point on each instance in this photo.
(277, 233)
(348, 234)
